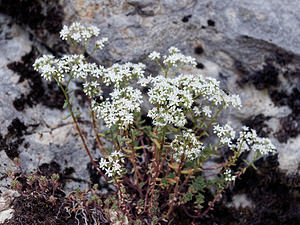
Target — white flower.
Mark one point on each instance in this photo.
(64, 33)
(187, 146)
(197, 111)
(176, 58)
(118, 74)
(103, 163)
(170, 101)
(228, 176)
(248, 140)
(78, 32)
(112, 165)
(225, 133)
(47, 66)
(263, 146)
(173, 50)
(100, 43)
(154, 55)
(119, 111)
(206, 111)
(144, 81)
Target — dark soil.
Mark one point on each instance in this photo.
(35, 206)
(37, 210)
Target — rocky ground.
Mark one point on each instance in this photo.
(252, 47)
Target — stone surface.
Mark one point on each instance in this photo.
(6, 214)
(6, 167)
(240, 201)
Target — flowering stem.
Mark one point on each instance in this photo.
(176, 189)
(79, 131)
(137, 174)
(211, 122)
(99, 142)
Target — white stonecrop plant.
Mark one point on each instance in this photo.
(174, 100)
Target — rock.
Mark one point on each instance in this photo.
(7, 166)
(6, 194)
(6, 215)
(240, 201)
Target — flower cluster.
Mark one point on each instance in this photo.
(119, 110)
(225, 133)
(90, 73)
(46, 66)
(100, 43)
(113, 164)
(118, 74)
(50, 67)
(203, 111)
(174, 58)
(173, 98)
(78, 32)
(169, 100)
(209, 88)
(186, 146)
(154, 55)
(248, 140)
(228, 176)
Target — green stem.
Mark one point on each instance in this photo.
(99, 142)
(78, 129)
(211, 122)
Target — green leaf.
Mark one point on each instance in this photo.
(164, 180)
(66, 117)
(199, 199)
(65, 104)
(70, 92)
(71, 99)
(154, 136)
(119, 138)
(171, 175)
(187, 197)
(198, 184)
